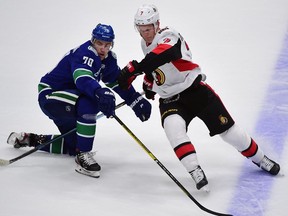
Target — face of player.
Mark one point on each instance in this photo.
(102, 48)
(147, 32)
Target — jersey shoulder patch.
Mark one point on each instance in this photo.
(92, 49)
(163, 30)
(167, 36)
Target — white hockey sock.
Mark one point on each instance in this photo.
(239, 139)
(175, 129)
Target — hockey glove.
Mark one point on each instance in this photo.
(128, 75)
(147, 87)
(106, 101)
(141, 107)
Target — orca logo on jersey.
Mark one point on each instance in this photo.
(159, 76)
(96, 75)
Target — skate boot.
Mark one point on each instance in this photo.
(20, 140)
(269, 166)
(200, 179)
(87, 165)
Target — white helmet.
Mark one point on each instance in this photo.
(147, 14)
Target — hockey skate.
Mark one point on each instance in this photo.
(20, 140)
(200, 179)
(87, 165)
(269, 166)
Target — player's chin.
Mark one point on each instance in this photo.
(148, 39)
(102, 56)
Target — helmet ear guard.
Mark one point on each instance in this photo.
(103, 32)
(146, 15)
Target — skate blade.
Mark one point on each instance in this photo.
(94, 174)
(11, 140)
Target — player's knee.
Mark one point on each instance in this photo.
(175, 129)
(236, 137)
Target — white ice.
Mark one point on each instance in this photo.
(236, 43)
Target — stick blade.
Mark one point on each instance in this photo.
(4, 162)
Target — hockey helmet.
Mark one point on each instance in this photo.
(103, 32)
(146, 14)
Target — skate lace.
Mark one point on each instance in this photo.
(197, 175)
(87, 158)
(39, 139)
(266, 164)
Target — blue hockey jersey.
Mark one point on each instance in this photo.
(82, 69)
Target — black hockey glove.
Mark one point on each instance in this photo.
(141, 107)
(147, 87)
(128, 75)
(106, 101)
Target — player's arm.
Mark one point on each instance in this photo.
(169, 49)
(162, 54)
(85, 82)
(140, 106)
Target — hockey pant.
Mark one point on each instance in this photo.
(68, 109)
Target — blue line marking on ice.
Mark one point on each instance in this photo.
(254, 187)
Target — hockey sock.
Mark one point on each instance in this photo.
(175, 129)
(239, 139)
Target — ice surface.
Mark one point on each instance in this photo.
(237, 44)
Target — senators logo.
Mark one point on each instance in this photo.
(223, 120)
(159, 76)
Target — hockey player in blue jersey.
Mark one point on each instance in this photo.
(71, 95)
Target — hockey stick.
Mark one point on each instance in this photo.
(4, 162)
(166, 170)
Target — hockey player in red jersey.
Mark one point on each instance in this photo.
(184, 94)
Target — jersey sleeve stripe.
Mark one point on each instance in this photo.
(183, 65)
(82, 72)
(161, 48)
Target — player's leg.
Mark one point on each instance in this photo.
(219, 121)
(86, 129)
(239, 139)
(175, 129)
(62, 111)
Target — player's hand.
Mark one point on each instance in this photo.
(147, 87)
(106, 101)
(141, 106)
(128, 75)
